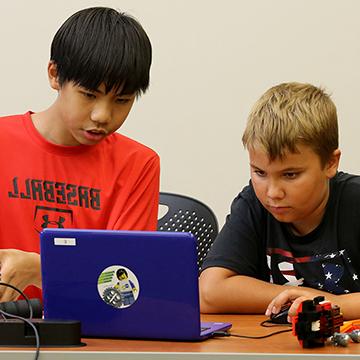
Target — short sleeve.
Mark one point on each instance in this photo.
(240, 245)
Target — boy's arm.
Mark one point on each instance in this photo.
(224, 291)
(349, 303)
(20, 269)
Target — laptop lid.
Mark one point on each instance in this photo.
(132, 284)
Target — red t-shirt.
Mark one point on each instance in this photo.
(111, 185)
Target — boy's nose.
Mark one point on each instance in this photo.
(274, 191)
(101, 114)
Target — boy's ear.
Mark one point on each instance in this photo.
(333, 163)
(53, 76)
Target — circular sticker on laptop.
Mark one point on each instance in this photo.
(118, 286)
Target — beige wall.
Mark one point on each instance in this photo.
(212, 60)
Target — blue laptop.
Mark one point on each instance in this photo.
(124, 284)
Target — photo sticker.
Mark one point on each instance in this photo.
(118, 286)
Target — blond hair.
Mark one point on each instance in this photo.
(290, 114)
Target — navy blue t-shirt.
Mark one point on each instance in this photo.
(253, 243)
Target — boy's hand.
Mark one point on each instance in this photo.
(20, 269)
(295, 296)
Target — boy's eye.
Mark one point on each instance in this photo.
(290, 175)
(122, 100)
(88, 95)
(259, 173)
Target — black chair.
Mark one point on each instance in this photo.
(187, 214)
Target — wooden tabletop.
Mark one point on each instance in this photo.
(248, 325)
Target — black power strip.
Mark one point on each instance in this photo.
(56, 333)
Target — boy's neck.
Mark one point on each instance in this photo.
(45, 123)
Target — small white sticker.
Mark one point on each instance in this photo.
(65, 241)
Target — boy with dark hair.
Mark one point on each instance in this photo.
(66, 166)
(297, 223)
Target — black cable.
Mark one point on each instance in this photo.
(27, 321)
(23, 295)
(225, 333)
(269, 323)
(263, 336)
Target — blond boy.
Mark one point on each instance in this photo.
(294, 232)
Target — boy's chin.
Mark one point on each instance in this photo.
(284, 218)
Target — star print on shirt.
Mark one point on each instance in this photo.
(328, 275)
(334, 265)
(333, 274)
(331, 271)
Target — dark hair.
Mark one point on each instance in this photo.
(120, 272)
(101, 45)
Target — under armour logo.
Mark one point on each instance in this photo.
(48, 222)
(46, 216)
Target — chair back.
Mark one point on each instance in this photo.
(187, 214)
